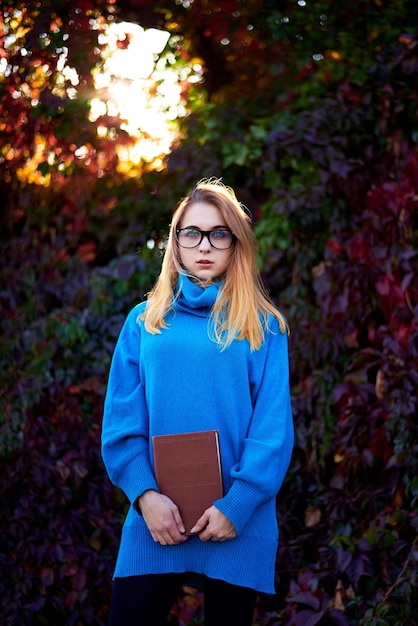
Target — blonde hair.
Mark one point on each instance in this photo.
(242, 307)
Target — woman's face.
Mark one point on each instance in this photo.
(204, 261)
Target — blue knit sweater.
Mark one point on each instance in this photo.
(180, 381)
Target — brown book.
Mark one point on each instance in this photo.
(188, 470)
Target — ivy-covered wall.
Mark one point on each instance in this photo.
(323, 152)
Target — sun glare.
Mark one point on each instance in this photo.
(142, 87)
(141, 81)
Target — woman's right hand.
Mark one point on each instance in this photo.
(162, 517)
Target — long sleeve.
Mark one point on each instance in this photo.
(267, 449)
(125, 447)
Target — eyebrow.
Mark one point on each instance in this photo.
(220, 227)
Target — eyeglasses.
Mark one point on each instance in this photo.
(220, 238)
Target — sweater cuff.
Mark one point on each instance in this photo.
(137, 477)
(239, 504)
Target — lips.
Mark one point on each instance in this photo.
(204, 263)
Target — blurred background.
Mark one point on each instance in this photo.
(110, 110)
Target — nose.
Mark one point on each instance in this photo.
(205, 244)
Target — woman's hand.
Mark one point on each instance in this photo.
(162, 517)
(214, 526)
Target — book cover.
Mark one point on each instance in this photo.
(188, 470)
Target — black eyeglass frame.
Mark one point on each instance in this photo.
(206, 233)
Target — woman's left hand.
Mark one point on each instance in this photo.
(214, 526)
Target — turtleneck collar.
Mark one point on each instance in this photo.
(195, 299)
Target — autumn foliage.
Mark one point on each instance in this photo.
(308, 109)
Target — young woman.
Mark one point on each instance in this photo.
(206, 351)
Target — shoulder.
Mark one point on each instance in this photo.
(276, 324)
(275, 336)
(136, 310)
(133, 318)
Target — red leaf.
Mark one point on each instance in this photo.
(47, 577)
(87, 251)
(79, 579)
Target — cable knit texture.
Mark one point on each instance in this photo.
(181, 381)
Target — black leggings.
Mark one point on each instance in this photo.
(147, 600)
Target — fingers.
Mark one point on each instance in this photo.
(178, 520)
(201, 523)
(162, 517)
(217, 526)
(164, 522)
(166, 530)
